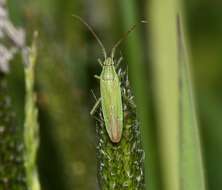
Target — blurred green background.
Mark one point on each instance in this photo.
(67, 61)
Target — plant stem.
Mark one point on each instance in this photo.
(31, 128)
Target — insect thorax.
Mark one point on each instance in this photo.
(108, 72)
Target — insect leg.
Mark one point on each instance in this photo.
(118, 62)
(97, 77)
(100, 62)
(94, 96)
(95, 106)
(99, 120)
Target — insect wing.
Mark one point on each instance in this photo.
(112, 107)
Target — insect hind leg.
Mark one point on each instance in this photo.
(93, 110)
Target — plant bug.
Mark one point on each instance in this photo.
(110, 90)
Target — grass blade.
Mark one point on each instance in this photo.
(162, 25)
(191, 163)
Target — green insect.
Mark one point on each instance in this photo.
(111, 99)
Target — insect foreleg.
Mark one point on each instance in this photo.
(100, 62)
(97, 77)
(118, 62)
(95, 106)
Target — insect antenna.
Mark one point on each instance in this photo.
(93, 33)
(124, 37)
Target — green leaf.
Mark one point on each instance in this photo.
(191, 163)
